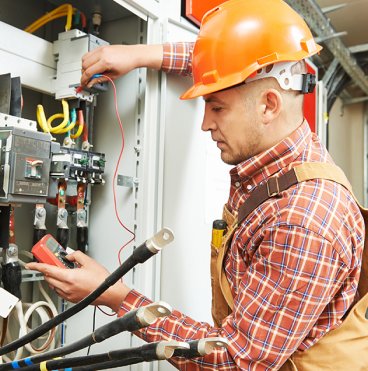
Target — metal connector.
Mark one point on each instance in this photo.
(165, 349)
(160, 240)
(208, 345)
(150, 313)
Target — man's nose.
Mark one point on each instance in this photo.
(207, 123)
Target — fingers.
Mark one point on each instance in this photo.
(46, 269)
(90, 58)
(93, 63)
(80, 258)
(60, 288)
(97, 68)
(54, 283)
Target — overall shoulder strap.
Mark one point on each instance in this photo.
(300, 173)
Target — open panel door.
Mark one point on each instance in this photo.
(196, 9)
(310, 100)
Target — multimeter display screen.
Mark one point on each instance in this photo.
(53, 245)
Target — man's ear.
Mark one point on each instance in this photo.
(272, 104)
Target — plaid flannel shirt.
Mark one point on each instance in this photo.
(293, 265)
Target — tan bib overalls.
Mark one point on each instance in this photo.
(342, 349)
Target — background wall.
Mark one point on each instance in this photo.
(346, 136)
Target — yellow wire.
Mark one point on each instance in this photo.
(55, 117)
(69, 18)
(56, 16)
(41, 19)
(41, 118)
(65, 130)
(64, 116)
(63, 127)
(43, 366)
(79, 131)
(44, 19)
(61, 11)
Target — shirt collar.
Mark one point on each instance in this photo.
(280, 156)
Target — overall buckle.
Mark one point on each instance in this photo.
(273, 188)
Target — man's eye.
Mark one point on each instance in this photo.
(216, 109)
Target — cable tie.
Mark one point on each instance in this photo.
(43, 366)
(28, 361)
(15, 364)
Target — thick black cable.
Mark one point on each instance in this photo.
(192, 352)
(129, 322)
(139, 255)
(93, 327)
(109, 365)
(146, 352)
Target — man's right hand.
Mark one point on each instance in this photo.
(117, 60)
(75, 284)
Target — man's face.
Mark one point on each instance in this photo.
(231, 117)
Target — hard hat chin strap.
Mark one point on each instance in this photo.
(282, 72)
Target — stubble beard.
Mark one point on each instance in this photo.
(244, 154)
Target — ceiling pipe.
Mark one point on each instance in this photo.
(337, 34)
(321, 26)
(332, 8)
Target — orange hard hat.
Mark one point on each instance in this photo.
(240, 37)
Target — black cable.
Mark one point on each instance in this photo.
(139, 255)
(93, 327)
(131, 321)
(192, 352)
(146, 352)
(109, 365)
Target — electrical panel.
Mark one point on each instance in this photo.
(50, 168)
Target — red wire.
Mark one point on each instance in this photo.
(83, 19)
(116, 169)
(85, 127)
(107, 314)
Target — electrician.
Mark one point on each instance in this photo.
(286, 276)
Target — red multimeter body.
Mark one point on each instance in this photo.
(48, 250)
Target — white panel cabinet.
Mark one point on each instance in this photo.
(195, 187)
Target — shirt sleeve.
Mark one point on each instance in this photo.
(290, 279)
(177, 58)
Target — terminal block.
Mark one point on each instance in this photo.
(81, 166)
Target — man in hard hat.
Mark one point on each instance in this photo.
(286, 274)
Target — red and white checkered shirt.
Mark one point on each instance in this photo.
(293, 265)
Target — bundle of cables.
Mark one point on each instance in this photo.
(132, 321)
(59, 12)
(66, 124)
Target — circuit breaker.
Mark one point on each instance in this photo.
(68, 51)
(25, 157)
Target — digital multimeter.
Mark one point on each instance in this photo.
(48, 250)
